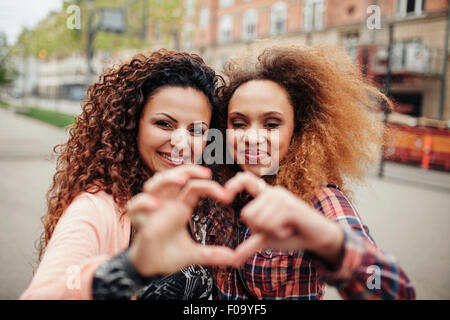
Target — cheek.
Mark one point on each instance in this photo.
(151, 138)
(279, 142)
(284, 141)
(198, 144)
(234, 137)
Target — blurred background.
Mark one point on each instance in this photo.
(50, 51)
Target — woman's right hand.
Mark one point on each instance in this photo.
(166, 185)
(163, 244)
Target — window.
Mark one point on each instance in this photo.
(249, 25)
(190, 8)
(405, 8)
(203, 20)
(278, 18)
(225, 3)
(313, 14)
(350, 43)
(225, 29)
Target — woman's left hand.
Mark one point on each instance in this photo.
(279, 219)
(163, 244)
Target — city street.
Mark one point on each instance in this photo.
(408, 212)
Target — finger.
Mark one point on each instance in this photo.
(284, 233)
(250, 246)
(263, 217)
(281, 226)
(195, 189)
(163, 181)
(176, 177)
(260, 213)
(139, 208)
(250, 212)
(219, 256)
(141, 202)
(267, 216)
(245, 181)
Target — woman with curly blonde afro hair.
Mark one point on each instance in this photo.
(140, 122)
(301, 128)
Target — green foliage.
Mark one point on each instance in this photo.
(7, 72)
(55, 118)
(52, 38)
(4, 105)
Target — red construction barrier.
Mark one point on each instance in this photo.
(425, 146)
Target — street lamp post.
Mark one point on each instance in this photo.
(111, 20)
(89, 47)
(444, 71)
(387, 93)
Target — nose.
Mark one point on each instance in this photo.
(255, 136)
(180, 140)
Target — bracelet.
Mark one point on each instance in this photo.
(117, 278)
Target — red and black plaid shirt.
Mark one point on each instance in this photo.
(276, 274)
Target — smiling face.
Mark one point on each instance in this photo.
(262, 118)
(173, 127)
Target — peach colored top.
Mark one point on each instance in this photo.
(89, 232)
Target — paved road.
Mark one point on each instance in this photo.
(408, 213)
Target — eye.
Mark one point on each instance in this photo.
(238, 124)
(197, 131)
(164, 124)
(272, 124)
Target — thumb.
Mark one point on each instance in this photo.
(249, 247)
(219, 256)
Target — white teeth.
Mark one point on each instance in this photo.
(175, 160)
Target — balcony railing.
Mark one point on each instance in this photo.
(408, 58)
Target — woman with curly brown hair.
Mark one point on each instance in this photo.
(300, 127)
(142, 120)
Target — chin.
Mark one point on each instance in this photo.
(260, 170)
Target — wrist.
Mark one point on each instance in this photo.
(332, 247)
(134, 269)
(139, 261)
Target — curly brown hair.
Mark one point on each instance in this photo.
(101, 153)
(337, 132)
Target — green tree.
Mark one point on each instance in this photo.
(7, 72)
(52, 38)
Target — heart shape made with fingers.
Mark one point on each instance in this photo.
(277, 218)
(164, 236)
(255, 186)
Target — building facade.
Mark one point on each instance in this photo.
(219, 29)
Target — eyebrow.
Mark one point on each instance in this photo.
(265, 114)
(200, 122)
(168, 116)
(176, 121)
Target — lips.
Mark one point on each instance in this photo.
(173, 161)
(255, 156)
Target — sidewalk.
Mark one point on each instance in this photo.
(410, 221)
(407, 216)
(26, 171)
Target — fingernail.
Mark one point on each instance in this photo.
(227, 195)
(206, 170)
(155, 202)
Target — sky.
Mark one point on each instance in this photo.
(16, 14)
